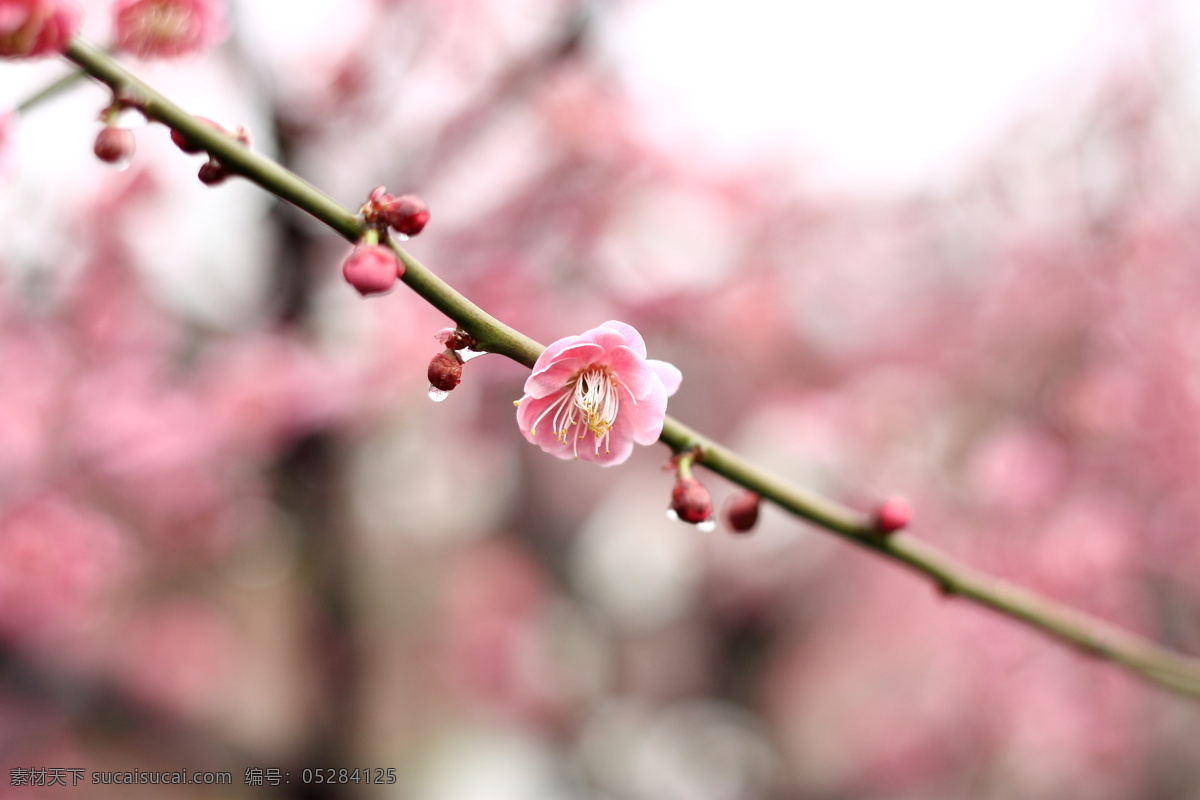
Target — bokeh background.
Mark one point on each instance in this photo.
(938, 249)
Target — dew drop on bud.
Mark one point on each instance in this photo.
(131, 117)
(671, 515)
(437, 395)
(467, 355)
(445, 371)
(708, 525)
(691, 501)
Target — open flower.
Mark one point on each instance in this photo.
(31, 28)
(168, 28)
(594, 395)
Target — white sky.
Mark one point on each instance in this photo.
(873, 92)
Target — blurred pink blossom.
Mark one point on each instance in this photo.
(491, 646)
(57, 561)
(177, 655)
(168, 28)
(1019, 468)
(598, 388)
(31, 28)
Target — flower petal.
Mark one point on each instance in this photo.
(553, 378)
(617, 451)
(551, 353)
(565, 364)
(646, 418)
(631, 370)
(618, 446)
(528, 411)
(668, 373)
(632, 338)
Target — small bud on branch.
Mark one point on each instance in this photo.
(445, 370)
(372, 269)
(741, 511)
(891, 515)
(114, 145)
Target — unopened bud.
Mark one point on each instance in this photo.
(741, 511)
(445, 370)
(372, 210)
(691, 501)
(114, 145)
(891, 515)
(371, 269)
(407, 214)
(212, 172)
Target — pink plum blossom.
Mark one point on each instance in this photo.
(167, 28)
(594, 395)
(31, 28)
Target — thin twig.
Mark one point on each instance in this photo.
(51, 90)
(1158, 664)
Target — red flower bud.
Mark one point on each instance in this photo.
(114, 145)
(371, 269)
(212, 172)
(741, 511)
(406, 213)
(891, 515)
(445, 370)
(372, 210)
(690, 501)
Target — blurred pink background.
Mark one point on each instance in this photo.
(943, 253)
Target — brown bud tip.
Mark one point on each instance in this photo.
(406, 213)
(741, 511)
(445, 370)
(455, 338)
(690, 501)
(114, 145)
(891, 515)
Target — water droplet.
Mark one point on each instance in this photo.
(121, 164)
(708, 526)
(403, 237)
(467, 355)
(437, 395)
(131, 117)
(671, 515)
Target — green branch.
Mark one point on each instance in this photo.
(1144, 658)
